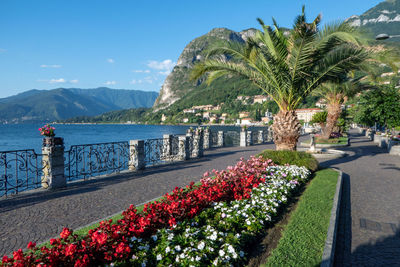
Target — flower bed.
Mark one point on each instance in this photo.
(196, 225)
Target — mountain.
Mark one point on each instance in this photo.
(58, 104)
(382, 18)
(177, 83)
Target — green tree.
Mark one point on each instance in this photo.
(287, 66)
(380, 106)
(336, 94)
(320, 118)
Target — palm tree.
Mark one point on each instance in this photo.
(287, 66)
(336, 94)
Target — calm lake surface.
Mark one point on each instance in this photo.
(26, 136)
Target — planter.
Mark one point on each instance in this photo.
(394, 147)
(53, 141)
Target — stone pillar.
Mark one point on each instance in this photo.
(167, 144)
(249, 138)
(136, 155)
(200, 133)
(195, 153)
(184, 153)
(206, 139)
(220, 138)
(261, 137)
(53, 163)
(243, 138)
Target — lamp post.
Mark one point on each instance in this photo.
(384, 36)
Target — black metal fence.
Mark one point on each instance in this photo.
(161, 150)
(20, 170)
(231, 138)
(84, 161)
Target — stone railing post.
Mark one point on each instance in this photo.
(197, 145)
(249, 139)
(261, 137)
(200, 133)
(53, 163)
(136, 155)
(243, 138)
(167, 144)
(184, 153)
(270, 137)
(220, 139)
(206, 139)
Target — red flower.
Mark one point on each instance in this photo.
(65, 233)
(70, 250)
(31, 245)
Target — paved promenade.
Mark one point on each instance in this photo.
(42, 215)
(369, 229)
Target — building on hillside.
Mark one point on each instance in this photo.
(199, 114)
(244, 114)
(260, 99)
(204, 107)
(190, 110)
(321, 103)
(213, 119)
(163, 118)
(246, 121)
(243, 97)
(265, 120)
(206, 115)
(185, 120)
(306, 114)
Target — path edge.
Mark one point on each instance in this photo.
(328, 255)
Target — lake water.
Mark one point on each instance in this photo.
(26, 136)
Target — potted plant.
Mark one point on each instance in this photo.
(49, 134)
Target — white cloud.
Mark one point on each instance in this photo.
(166, 65)
(148, 79)
(141, 71)
(136, 81)
(2, 50)
(164, 72)
(61, 80)
(110, 60)
(55, 66)
(110, 82)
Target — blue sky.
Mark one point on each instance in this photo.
(46, 44)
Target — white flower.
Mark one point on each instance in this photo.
(178, 248)
(223, 215)
(167, 250)
(170, 236)
(198, 258)
(221, 253)
(201, 245)
(159, 257)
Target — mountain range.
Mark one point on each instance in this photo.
(382, 18)
(62, 103)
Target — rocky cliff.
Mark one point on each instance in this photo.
(177, 83)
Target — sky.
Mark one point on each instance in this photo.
(126, 44)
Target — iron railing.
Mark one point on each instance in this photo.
(160, 150)
(84, 161)
(214, 139)
(231, 138)
(254, 137)
(20, 170)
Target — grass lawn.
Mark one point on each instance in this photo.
(303, 238)
(337, 141)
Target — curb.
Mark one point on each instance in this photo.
(330, 243)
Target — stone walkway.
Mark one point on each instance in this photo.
(369, 228)
(42, 215)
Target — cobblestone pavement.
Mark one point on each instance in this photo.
(42, 215)
(369, 227)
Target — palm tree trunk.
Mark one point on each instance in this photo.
(334, 111)
(286, 128)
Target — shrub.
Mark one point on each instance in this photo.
(291, 157)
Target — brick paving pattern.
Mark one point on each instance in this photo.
(369, 228)
(41, 215)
